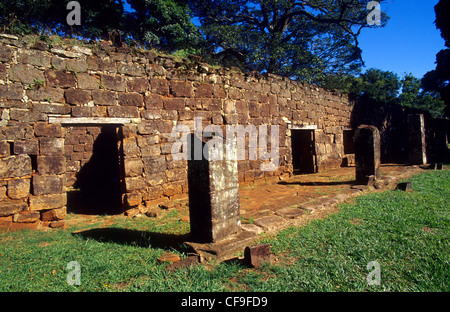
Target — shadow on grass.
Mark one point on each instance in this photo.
(137, 238)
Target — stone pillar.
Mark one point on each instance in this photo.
(213, 189)
(367, 153)
(417, 145)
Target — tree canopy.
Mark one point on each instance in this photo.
(304, 40)
(377, 87)
(438, 80)
(158, 23)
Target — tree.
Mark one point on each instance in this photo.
(438, 80)
(163, 23)
(376, 86)
(413, 96)
(304, 40)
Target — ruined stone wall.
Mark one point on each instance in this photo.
(145, 95)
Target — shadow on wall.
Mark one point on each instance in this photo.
(98, 187)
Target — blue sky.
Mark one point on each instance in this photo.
(408, 43)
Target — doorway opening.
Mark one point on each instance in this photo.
(94, 169)
(303, 151)
(349, 141)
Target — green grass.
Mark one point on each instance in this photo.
(408, 234)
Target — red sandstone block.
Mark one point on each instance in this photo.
(181, 88)
(77, 96)
(60, 79)
(131, 99)
(257, 255)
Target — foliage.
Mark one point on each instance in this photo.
(162, 23)
(304, 40)
(158, 23)
(414, 96)
(438, 80)
(376, 85)
(379, 87)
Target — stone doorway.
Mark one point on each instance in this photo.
(94, 167)
(303, 151)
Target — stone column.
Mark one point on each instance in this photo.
(213, 189)
(367, 153)
(417, 145)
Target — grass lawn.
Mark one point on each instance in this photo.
(407, 234)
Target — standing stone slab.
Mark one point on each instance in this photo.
(213, 189)
(416, 140)
(367, 153)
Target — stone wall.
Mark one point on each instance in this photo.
(55, 98)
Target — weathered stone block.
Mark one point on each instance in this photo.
(181, 88)
(33, 57)
(114, 83)
(29, 147)
(154, 164)
(61, 79)
(54, 214)
(43, 129)
(138, 85)
(131, 99)
(4, 148)
(15, 166)
(6, 53)
(87, 81)
(19, 188)
(367, 153)
(130, 147)
(26, 74)
(133, 167)
(11, 92)
(269, 223)
(154, 179)
(77, 96)
(131, 69)
(46, 202)
(51, 165)
(104, 97)
(46, 185)
(100, 64)
(81, 111)
(205, 90)
(213, 191)
(159, 86)
(173, 103)
(134, 184)
(11, 207)
(133, 199)
(46, 94)
(60, 109)
(153, 101)
(51, 146)
(18, 131)
(123, 111)
(26, 217)
(256, 256)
